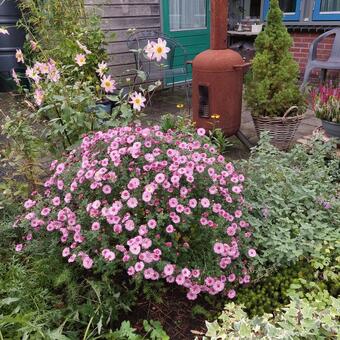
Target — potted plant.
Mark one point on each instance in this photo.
(272, 92)
(326, 105)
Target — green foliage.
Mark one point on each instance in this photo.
(20, 157)
(218, 138)
(292, 201)
(299, 320)
(272, 87)
(182, 123)
(271, 292)
(42, 298)
(302, 280)
(70, 109)
(55, 26)
(153, 330)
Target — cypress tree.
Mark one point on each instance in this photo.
(272, 86)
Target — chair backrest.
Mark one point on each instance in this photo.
(137, 43)
(335, 53)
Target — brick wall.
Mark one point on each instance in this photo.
(301, 44)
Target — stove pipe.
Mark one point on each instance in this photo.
(219, 24)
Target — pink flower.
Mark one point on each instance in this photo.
(95, 226)
(173, 202)
(108, 84)
(170, 229)
(66, 252)
(133, 184)
(160, 178)
(132, 202)
(131, 271)
(238, 213)
(56, 201)
(101, 68)
(191, 296)
(67, 198)
(231, 231)
(252, 252)
(71, 258)
(19, 56)
(196, 273)
(168, 269)
(205, 203)
(192, 203)
(236, 189)
(231, 293)
(232, 277)
(125, 195)
(218, 248)
(218, 286)
(39, 96)
(157, 50)
(107, 189)
(137, 100)
(201, 132)
(45, 211)
(139, 266)
(15, 77)
(180, 279)
(129, 225)
(29, 204)
(18, 247)
(135, 249)
(80, 59)
(152, 224)
(87, 262)
(60, 168)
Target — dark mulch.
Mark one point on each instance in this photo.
(175, 315)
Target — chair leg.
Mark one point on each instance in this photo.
(323, 75)
(306, 77)
(187, 95)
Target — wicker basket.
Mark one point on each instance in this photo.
(281, 129)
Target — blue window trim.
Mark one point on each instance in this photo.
(286, 17)
(317, 16)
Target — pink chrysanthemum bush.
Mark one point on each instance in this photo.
(155, 205)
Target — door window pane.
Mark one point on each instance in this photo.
(188, 14)
(288, 6)
(330, 6)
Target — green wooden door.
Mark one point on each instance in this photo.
(187, 22)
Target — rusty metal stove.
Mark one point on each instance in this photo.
(217, 79)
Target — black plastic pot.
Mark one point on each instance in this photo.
(105, 105)
(9, 15)
(332, 129)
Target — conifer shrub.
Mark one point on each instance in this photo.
(272, 86)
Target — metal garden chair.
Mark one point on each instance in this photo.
(333, 62)
(172, 68)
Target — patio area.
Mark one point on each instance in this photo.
(166, 101)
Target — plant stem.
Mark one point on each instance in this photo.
(62, 123)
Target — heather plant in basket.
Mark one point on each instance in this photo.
(155, 205)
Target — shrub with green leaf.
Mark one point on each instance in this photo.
(293, 202)
(272, 87)
(55, 28)
(299, 320)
